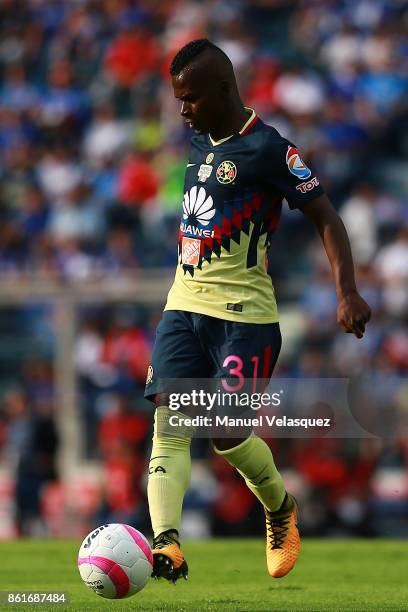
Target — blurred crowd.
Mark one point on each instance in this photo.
(345, 486)
(92, 158)
(92, 150)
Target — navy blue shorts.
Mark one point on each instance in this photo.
(195, 346)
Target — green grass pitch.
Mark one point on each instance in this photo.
(228, 575)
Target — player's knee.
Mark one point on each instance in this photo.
(172, 424)
(160, 399)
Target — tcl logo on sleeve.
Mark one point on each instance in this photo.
(304, 187)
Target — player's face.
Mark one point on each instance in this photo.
(200, 106)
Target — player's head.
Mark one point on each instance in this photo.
(203, 80)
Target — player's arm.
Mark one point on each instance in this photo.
(352, 312)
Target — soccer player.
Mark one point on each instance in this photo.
(221, 316)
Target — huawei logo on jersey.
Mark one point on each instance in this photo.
(197, 207)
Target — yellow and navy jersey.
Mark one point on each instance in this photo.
(233, 194)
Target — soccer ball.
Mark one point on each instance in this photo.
(115, 561)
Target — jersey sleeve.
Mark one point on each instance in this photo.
(287, 172)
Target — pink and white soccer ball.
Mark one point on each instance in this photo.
(115, 561)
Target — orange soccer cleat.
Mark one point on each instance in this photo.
(168, 560)
(282, 538)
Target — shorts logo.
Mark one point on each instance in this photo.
(296, 165)
(226, 172)
(197, 208)
(190, 251)
(149, 376)
(304, 187)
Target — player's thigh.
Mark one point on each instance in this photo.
(245, 356)
(246, 352)
(177, 354)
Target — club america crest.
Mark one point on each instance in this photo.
(226, 172)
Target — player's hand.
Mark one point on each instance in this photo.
(353, 313)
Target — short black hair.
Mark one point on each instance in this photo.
(190, 51)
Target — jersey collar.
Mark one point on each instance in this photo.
(245, 128)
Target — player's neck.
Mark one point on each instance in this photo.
(232, 123)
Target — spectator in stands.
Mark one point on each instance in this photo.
(33, 442)
(391, 264)
(359, 217)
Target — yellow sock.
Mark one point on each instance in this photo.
(254, 461)
(169, 473)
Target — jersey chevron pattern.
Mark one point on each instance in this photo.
(232, 203)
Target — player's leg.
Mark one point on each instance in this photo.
(253, 459)
(247, 345)
(168, 481)
(176, 355)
